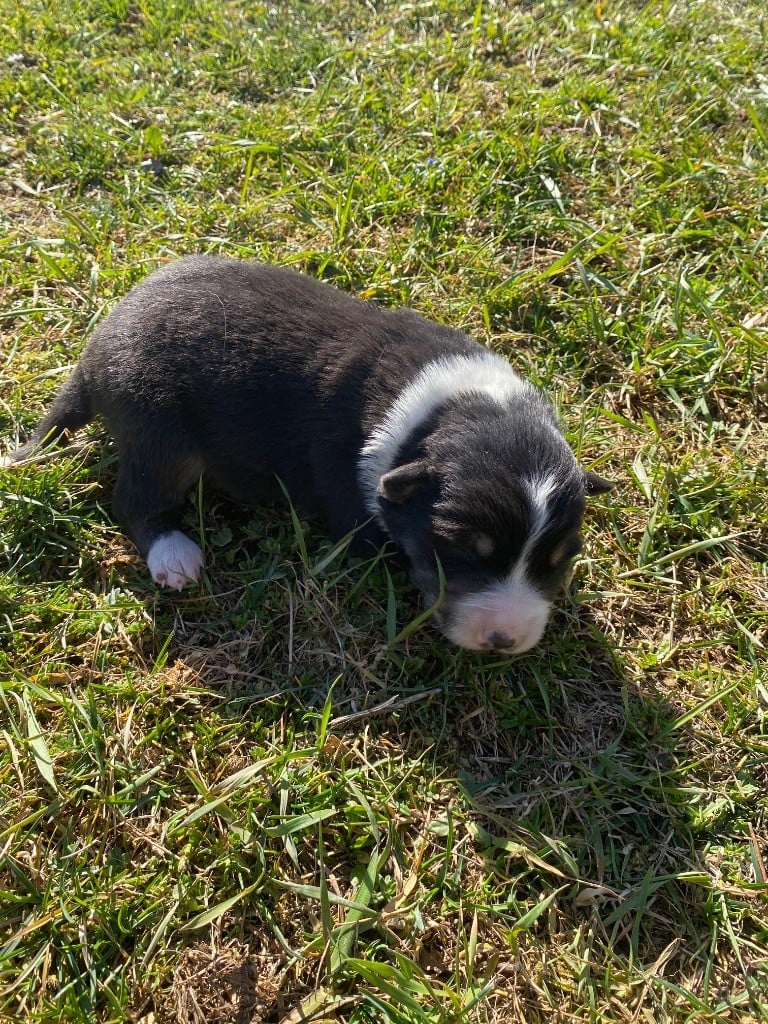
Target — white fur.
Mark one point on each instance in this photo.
(539, 490)
(437, 382)
(5, 462)
(512, 609)
(174, 560)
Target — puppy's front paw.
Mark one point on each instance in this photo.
(174, 560)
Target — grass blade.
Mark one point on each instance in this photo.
(38, 746)
(214, 913)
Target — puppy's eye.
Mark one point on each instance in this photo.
(563, 552)
(462, 552)
(482, 544)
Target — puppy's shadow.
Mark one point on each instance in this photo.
(559, 742)
(564, 770)
(571, 772)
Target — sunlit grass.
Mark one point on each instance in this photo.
(246, 802)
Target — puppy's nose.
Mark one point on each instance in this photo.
(498, 641)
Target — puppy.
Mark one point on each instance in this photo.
(376, 421)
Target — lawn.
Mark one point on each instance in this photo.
(278, 796)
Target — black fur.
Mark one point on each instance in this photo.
(245, 371)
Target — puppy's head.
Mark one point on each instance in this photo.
(493, 499)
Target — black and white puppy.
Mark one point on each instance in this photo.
(375, 420)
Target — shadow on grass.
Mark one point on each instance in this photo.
(565, 770)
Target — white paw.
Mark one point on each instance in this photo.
(174, 560)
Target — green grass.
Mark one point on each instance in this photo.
(252, 801)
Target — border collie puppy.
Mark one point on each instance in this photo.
(374, 420)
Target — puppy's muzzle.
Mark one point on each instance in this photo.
(508, 617)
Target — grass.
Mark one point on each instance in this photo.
(257, 800)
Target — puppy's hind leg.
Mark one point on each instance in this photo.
(148, 500)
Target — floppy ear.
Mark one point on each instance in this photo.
(399, 484)
(597, 484)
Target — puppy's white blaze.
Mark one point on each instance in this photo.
(174, 560)
(539, 489)
(435, 383)
(511, 609)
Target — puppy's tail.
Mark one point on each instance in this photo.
(72, 408)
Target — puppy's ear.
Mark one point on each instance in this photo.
(399, 484)
(597, 484)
